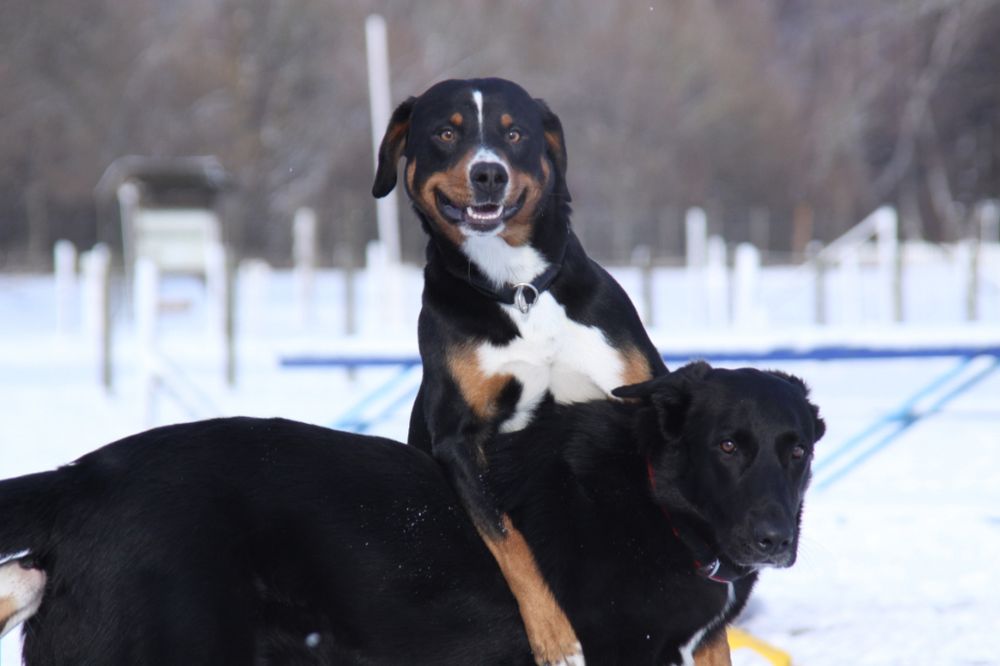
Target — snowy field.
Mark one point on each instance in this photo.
(901, 527)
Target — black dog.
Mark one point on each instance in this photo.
(513, 309)
(247, 541)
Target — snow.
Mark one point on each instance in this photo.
(895, 564)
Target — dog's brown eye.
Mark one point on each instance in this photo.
(514, 136)
(447, 134)
(798, 453)
(727, 446)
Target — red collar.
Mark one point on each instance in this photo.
(715, 570)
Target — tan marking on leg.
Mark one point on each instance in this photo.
(714, 652)
(479, 390)
(635, 367)
(550, 634)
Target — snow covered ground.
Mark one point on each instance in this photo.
(896, 560)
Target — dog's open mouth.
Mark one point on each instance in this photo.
(479, 218)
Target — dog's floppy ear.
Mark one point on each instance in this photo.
(669, 395)
(555, 144)
(819, 425)
(391, 149)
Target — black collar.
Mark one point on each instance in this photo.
(522, 294)
(706, 563)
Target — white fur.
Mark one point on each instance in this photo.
(477, 98)
(24, 589)
(485, 154)
(574, 659)
(499, 262)
(555, 354)
(687, 650)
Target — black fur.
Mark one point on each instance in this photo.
(247, 541)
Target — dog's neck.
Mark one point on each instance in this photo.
(705, 558)
(500, 271)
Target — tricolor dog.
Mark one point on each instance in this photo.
(513, 309)
(273, 543)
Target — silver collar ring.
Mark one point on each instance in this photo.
(520, 302)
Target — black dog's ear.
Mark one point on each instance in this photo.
(819, 425)
(669, 395)
(555, 144)
(391, 149)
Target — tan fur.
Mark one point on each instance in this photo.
(7, 609)
(550, 634)
(506, 121)
(555, 144)
(635, 366)
(395, 137)
(517, 231)
(714, 653)
(457, 119)
(411, 172)
(480, 391)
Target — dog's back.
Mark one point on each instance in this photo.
(241, 541)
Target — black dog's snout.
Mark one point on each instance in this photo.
(772, 537)
(489, 179)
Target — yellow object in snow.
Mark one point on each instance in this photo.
(739, 639)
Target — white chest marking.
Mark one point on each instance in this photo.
(502, 263)
(687, 650)
(553, 354)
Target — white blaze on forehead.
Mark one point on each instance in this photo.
(477, 99)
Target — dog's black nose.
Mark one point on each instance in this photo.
(773, 538)
(489, 179)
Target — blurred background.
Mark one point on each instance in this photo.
(187, 231)
(787, 120)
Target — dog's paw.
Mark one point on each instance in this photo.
(575, 659)
(555, 653)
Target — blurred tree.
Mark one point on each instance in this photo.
(765, 112)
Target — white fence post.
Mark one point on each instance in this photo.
(254, 282)
(219, 286)
(815, 258)
(146, 305)
(386, 208)
(642, 258)
(696, 237)
(304, 252)
(696, 256)
(889, 264)
(716, 282)
(97, 307)
(64, 262)
(966, 259)
(746, 286)
(849, 292)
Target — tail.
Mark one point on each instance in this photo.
(28, 506)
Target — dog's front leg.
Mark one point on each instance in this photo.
(550, 633)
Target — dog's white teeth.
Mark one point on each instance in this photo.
(483, 215)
